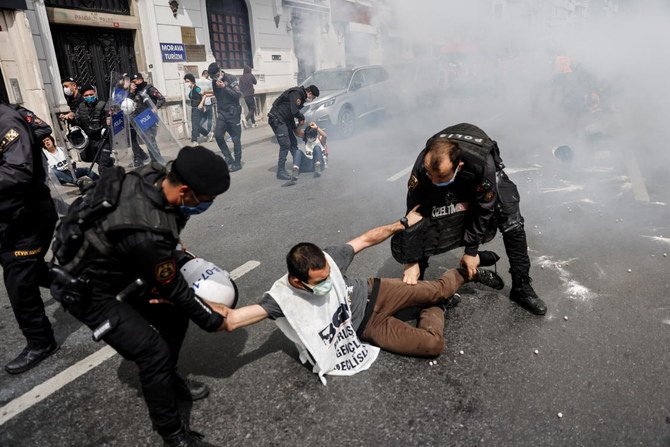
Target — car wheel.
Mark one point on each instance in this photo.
(346, 122)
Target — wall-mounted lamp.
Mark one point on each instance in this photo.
(174, 6)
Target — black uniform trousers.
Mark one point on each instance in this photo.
(286, 139)
(232, 126)
(150, 335)
(23, 244)
(507, 217)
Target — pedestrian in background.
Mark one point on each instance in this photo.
(247, 82)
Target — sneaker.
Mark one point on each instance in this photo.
(210, 137)
(317, 169)
(29, 358)
(234, 166)
(191, 390)
(489, 279)
(450, 302)
(524, 295)
(294, 173)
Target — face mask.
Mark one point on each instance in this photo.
(193, 210)
(322, 288)
(67, 91)
(450, 181)
(91, 99)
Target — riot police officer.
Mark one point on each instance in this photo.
(124, 258)
(92, 116)
(144, 95)
(285, 110)
(27, 220)
(459, 183)
(228, 113)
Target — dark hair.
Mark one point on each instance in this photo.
(203, 72)
(53, 141)
(439, 148)
(172, 177)
(247, 69)
(304, 257)
(314, 90)
(189, 77)
(310, 132)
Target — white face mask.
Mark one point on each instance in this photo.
(67, 91)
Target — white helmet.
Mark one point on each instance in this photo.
(128, 106)
(210, 282)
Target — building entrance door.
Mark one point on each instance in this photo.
(90, 54)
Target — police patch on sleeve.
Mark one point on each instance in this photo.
(8, 139)
(412, 183)
(165, 271)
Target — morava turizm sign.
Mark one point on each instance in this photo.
(173, 52)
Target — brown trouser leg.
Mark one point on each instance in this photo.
(394, 335)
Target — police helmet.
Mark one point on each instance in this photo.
(77, 137)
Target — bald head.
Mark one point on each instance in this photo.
(441, 160)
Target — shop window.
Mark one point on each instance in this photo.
(229, 33)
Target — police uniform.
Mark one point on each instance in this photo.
(285, 109)
(27, 220)
(134, 241)
(141, 96)
(92, 118)
(228, 113)
(480, 199)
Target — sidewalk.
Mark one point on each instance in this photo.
(254, 135)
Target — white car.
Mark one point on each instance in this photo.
(347, 96)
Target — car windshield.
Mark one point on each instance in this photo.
(329, 80)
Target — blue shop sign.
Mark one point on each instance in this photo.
(173, 52)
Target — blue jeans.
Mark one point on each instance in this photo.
(305, 164)
(206, 117)
(65, 177)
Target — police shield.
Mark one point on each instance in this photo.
(145, 129)
(120, 106)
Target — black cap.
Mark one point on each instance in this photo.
(64, 80)
(314, 89)
(137, 76)
(213, 68)
(202, 170)
(84, 88)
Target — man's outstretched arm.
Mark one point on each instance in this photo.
(380, 234)
(237, 318)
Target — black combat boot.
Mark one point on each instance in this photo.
(523, 294)
(281, 172)
(29, 358)
(184, 438)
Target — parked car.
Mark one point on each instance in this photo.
(347, 96)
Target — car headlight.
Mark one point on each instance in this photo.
(327, 103)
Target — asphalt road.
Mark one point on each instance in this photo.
(599, 357)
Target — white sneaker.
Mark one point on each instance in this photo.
(210, 137)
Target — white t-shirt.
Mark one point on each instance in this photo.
(57, 160)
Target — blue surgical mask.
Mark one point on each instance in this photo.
(91, 99)
(322, 288)
(450, 181)
(198, 209)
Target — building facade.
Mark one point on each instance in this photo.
(283, 41)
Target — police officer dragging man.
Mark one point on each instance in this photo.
(461, 189)
(117, 272)
(285, 110)
(27, 220)
(228, 113)
(338, 323)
